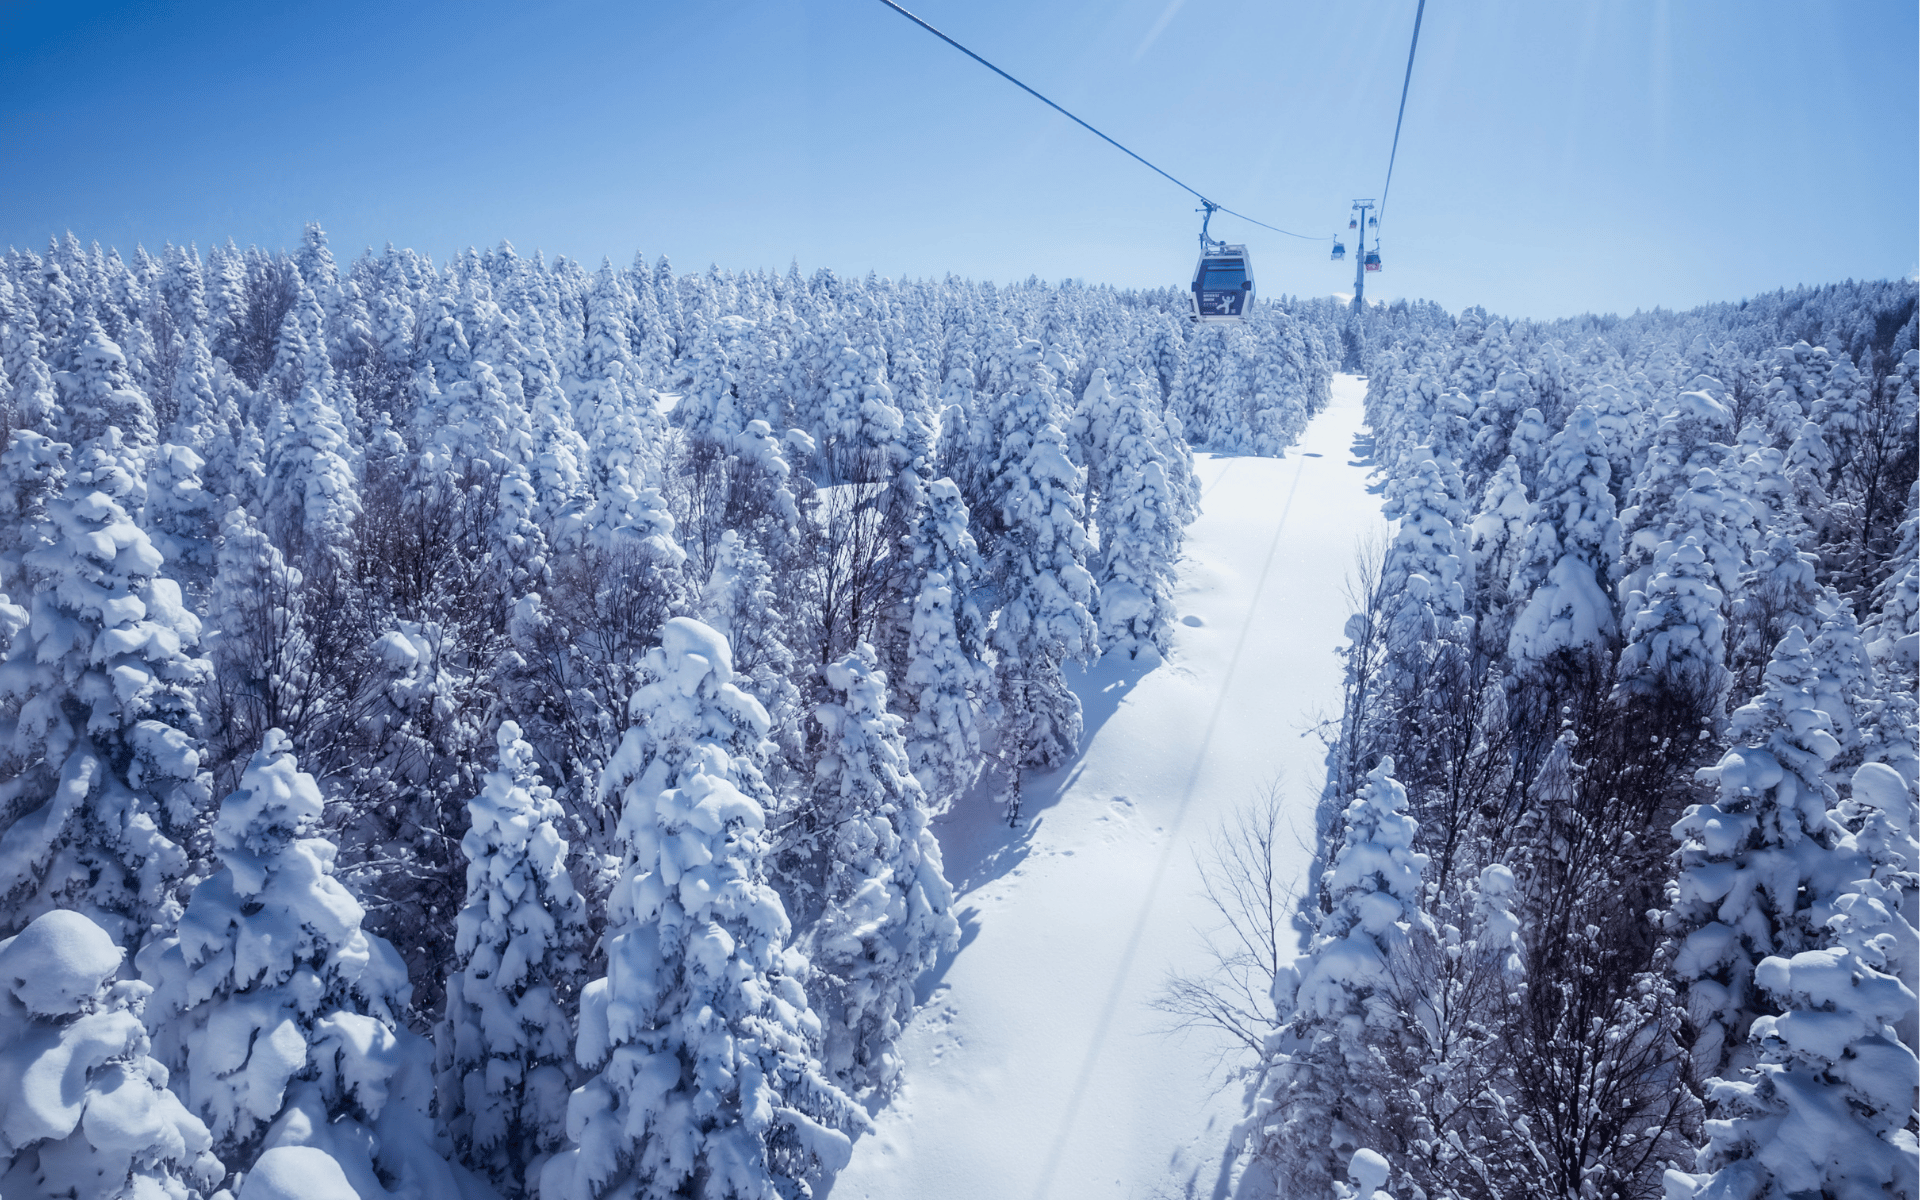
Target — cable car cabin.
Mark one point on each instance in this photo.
(1223, 284)
(1373, 260)
(1339, 250)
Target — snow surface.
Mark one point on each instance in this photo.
(1038, 1067)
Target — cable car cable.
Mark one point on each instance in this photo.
(1404, 85)
(1090, 129)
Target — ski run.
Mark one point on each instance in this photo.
(499, 728)
(1040, 1066)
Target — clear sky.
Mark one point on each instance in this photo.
(1559, 155)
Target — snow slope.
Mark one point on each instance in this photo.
(1038, 1067)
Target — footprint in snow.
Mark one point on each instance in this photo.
(1192, 622)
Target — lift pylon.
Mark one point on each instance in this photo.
(1362, 261)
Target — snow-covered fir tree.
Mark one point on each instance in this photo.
(1758, 865)
(100, 687)
(1495, 538)
(740, 604)
(508, 1037)
(1573, 541)
(945, 681)
(1828, 1108)
(88, 1113)
(310, 493)
(1047, 595)
(1319, 1095)
(887, 909)
(701, 1046)
(280, 1017)
(1139, 513)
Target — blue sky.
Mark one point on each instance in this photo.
(1558, 156)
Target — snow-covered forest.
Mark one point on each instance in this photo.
(1619, 895)
(495, 710)
(481, 729)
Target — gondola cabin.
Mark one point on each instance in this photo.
(1223, 284)
(1373, 260)
(1339, 250)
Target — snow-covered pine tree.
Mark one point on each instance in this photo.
(1779, 592)
(1528, 444)
(619, 415)
(1047, 595)
(887, 909)
(506, 1048)
(945, 679)
(1212, 392)
(699, 1040)
(1797, 379)
(87, 1111)
(1427, 663)
(1846, 691)
(1686, 439)
(517, 551)
(1283, 385)
(1828, 1109)
(459, 407)
(861, 431)
(1809, 463)
(180, 517)
(1893, 649)
(101, 720)
(740, 603)
(1426, 542)
(1573, 541)
(1874, 916)
(1496, 537)
(310, 496)
(1676, 644)
(1137, 510)
(1317, 1099)
(27, 393)
(1447, 436)
(1618, 421)
(279, 1015)
(1758, 867)
(961, 450)
(1682, 561)
(709, 407)
(557, 459)
(1892, 630)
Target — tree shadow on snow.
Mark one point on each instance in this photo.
(1104, 686)
(1361, 455)
(935, 978)
(976, 843)
(1362, 449)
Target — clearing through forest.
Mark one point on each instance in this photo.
(1039, 1067)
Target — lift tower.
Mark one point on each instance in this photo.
(1360, 256)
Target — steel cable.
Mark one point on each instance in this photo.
(1095, 132)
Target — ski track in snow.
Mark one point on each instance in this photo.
(1038, 1068)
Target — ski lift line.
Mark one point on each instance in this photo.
(1090, 129)
(1405, 84)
